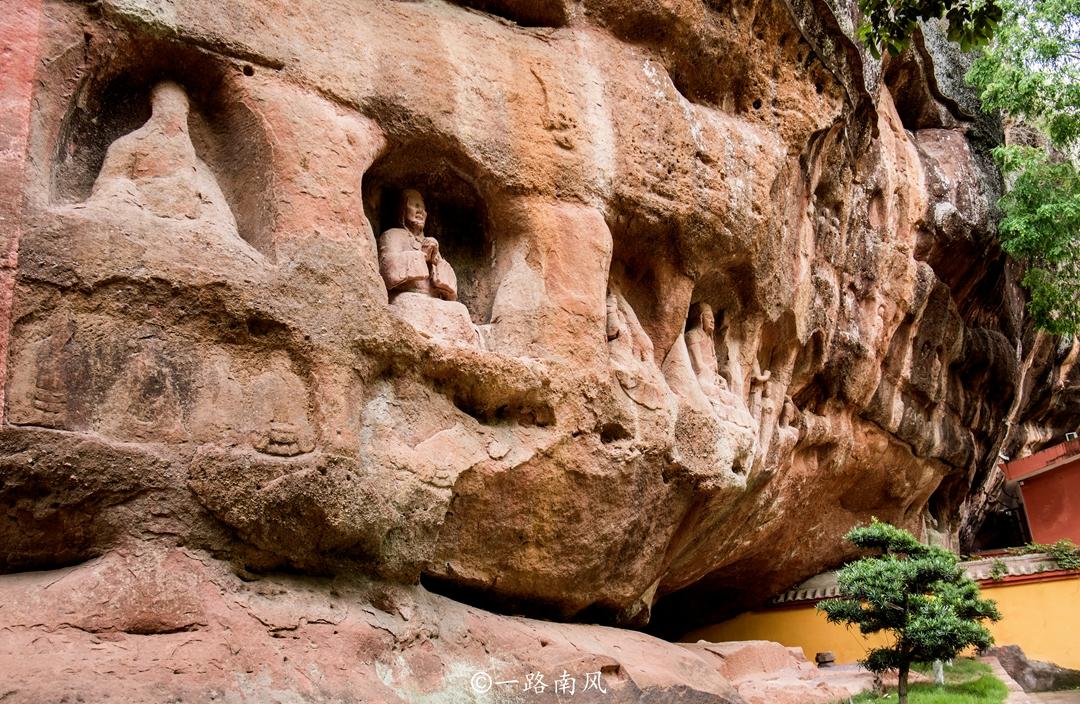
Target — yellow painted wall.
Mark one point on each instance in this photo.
(795, 626)
(1043, 618)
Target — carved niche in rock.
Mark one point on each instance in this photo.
(630, 352)
(700, 343)
(421, 284)
(155, 168)
(718, 433)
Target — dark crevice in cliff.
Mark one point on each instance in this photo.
(526, 13)
(487, 598)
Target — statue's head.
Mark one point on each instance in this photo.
(413, 212)
(787, 415)
(168, 100)
(701, 315)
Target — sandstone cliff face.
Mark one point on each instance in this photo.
(201, 352)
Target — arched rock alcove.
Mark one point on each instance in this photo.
(456, 213)
(113, 100)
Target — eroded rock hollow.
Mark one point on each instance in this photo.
(607, 311)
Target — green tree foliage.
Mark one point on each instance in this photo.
(914, 592)
(889, 24)
(1032, 68)
(1031, 71)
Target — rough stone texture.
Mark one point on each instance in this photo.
(769, 673)
(201, 353)
(147, 625)
(1035, 675)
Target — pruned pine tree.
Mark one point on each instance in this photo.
(914, 592)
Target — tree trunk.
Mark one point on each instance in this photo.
(901, 686)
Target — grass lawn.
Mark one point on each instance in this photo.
(966, 682)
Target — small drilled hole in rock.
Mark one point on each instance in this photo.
(612, 432)
(757, 104)
(249, 70)
(261, 327)
(819, 87)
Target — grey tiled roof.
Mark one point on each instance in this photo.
(823, 586)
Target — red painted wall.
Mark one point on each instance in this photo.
(1052, 503)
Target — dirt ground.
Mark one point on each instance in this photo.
(1070, 697)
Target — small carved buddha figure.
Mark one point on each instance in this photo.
(144, 403)
(50, 390)
(156, 168)
(279, 411)
(702, 349)
(630, 352)
(758, 382)
(409, 261)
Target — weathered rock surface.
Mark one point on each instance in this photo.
(1035, 675)
(200, 351)
(769, 673)
(174, 625)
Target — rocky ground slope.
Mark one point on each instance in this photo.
(734, 289)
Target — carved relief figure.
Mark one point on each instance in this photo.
(788, 430)
(409, 261)
(422, 286)
(630, 351)
(725, 441)
(46, 386)
(758, 380)
(768, 411)
(144, 403)
(50, 392)
(279, 408)
(701, 346)
(156, 168)
(220, 408)
(777, 443)
(700, 343)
